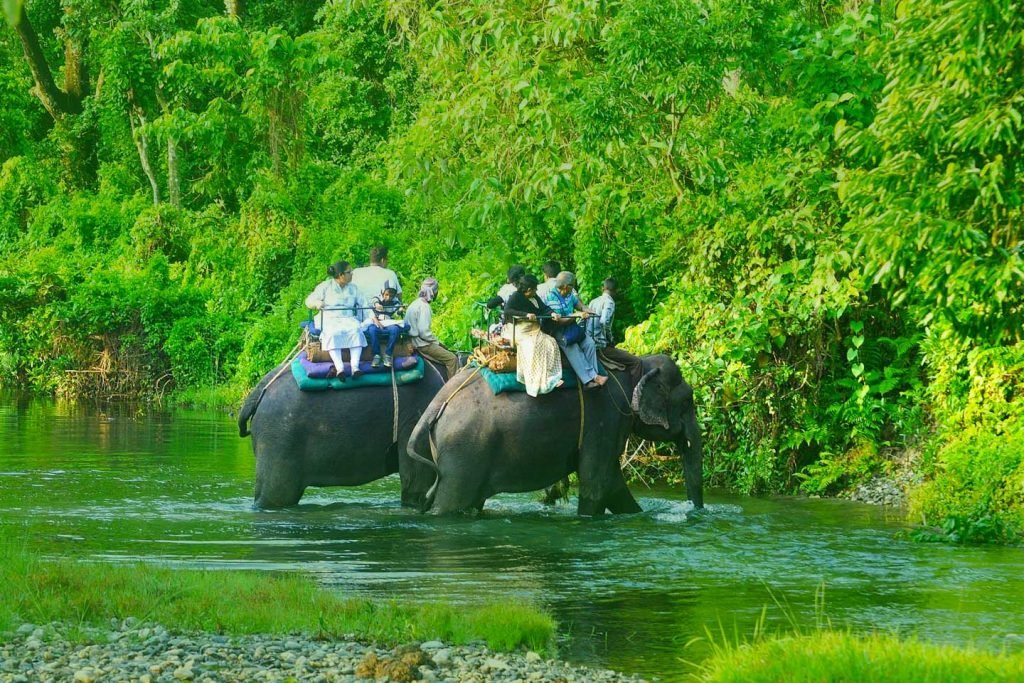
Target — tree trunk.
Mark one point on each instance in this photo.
(76, 77)
(173, 184)
(142, 145)
(57, 102)
(235, 8)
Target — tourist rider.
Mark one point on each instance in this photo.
(420, 317)
(381, 322)
(551, 270)
(538, 362)
(600, 329)
(342, 307)
(374, 278)
(508, 289)
(577, 346)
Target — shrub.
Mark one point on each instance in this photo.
(976, 494)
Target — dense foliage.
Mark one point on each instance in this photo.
(816, 207)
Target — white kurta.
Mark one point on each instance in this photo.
(341, 313)
(371, 280)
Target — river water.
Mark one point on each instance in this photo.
(629, 593)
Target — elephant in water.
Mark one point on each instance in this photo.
(485, 444)
(334, 438)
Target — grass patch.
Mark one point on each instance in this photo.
(832, 656)
(234, 602)
(209, 397)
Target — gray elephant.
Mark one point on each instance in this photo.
(485, 444)
(334, 438)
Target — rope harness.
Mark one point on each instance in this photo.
(394, 397)
(579, 390)
(285, 366)
(627, 412)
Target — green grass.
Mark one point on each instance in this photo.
(84, 593)
(837, 657)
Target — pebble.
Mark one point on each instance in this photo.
(891, 491)
(131, 650)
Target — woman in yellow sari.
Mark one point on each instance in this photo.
(538, 361)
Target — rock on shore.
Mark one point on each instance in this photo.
(149, 653)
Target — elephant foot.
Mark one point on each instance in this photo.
(624, 504)
(618, 504)
(589, 508)
(272, 494)
(414, 500)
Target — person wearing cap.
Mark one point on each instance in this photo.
(419, 318)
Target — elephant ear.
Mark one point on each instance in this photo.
(650, 400)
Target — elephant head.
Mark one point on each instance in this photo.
(663, 403)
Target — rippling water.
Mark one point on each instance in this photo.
(628, 592)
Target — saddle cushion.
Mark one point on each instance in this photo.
(369, 379)
(502, 382)
(320, 370)
(403, 347)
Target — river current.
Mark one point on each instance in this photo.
(629, 593)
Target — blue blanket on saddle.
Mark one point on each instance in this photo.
(312, 376)
(501, 382)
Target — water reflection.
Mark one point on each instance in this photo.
(629, 592)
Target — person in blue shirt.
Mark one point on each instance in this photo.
(382, 323)
(566, 309)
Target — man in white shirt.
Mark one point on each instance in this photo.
(551, 270)
(374, 278)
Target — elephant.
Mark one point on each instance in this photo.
(334, 438)
(480, 444)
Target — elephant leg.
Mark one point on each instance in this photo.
(617, 502)
(277, 489)
(460, 489)
(623, 502)
(589, 507)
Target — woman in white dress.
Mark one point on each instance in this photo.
(342, 308)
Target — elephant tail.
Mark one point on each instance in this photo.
(422, 441)
(247, 411)
(252, 401)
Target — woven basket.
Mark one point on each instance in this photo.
(494, 358)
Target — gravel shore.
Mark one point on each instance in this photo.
(149, 653)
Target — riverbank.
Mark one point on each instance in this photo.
(89, 594)
(837, 657)
(139, 622)
(131, 650)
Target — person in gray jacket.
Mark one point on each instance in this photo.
(419, 318)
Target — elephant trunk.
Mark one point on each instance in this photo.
(691, 451)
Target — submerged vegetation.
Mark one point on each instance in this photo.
(815, 207)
